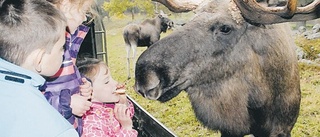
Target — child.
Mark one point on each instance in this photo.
(31, 45)
(67, 91)
(111, 113)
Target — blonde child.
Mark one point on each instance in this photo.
(111, 112)
(31, 46)
(67, 90)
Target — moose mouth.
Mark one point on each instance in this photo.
(172, 91)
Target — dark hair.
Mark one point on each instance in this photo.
(27, 25)
(89, 67)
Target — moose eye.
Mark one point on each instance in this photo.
(225, 29)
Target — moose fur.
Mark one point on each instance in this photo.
(240, 78)
(144, 34)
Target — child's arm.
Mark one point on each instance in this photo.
(80, 103)
(127, 133)
(60, 101)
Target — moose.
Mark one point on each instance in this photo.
(235, 60)
(144, 34)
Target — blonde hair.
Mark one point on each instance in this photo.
(91, 13)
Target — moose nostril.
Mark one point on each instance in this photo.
(140, 92)
(138, 89)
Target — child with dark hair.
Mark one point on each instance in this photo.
(111, 113)
(31, 46)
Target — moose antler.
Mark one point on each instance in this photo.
(255, 13)
(180, 5)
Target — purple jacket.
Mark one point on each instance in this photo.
(59, 88)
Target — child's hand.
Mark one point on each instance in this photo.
(79, 104)
(86, 88)
(123, 99)
(123, 96)
(123, 116)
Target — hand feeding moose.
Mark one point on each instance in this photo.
(238, 66)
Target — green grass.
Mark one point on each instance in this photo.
(309, 46)
(177, 113)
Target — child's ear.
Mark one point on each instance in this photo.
(37, 63)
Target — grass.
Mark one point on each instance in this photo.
(309, 46)
(177, 114)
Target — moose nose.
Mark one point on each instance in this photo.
(138, 90)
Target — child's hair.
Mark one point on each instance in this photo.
(89, 67)
(27, 25)
(91, 13)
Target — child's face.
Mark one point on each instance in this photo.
(75, 15)
(52, 61)
(104, 86)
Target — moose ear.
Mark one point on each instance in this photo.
(161, 12)
(156, 12)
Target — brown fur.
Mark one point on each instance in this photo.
(241, 78)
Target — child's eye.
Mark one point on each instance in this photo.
(106, 82)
